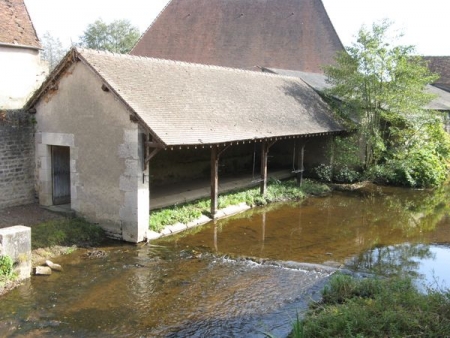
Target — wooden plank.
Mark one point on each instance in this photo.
(214, 179)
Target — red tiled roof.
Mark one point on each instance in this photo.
(441, 66)
(16, 27)
(287, 34)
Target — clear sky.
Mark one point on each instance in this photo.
(425, 24)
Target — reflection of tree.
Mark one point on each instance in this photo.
(392, 260)
(420, 210)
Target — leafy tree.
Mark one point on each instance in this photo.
(119, 36)
(384, 85)
(53, 50)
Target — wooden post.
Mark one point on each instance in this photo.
(300, 158)
(264, 152)
(214, 179)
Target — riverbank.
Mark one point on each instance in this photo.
(52, 235)
(376, 307)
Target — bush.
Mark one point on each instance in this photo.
(6, 266)
(324, 172)
(346, 175)
(419, 169)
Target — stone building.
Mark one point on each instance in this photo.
(21, 73)
(106, 123)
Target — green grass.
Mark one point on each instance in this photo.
(66, 232)
(277, 191)
(6, 269)
(376, 308)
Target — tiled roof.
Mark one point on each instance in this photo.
(319, 83)
(441, 66)
(190, 104)
(16, 27)
(442, 100)
(287, 34)
(315, 80)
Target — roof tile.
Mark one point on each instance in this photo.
(16, 27)
(191, 104)
(287, 34)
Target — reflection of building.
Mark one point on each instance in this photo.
(21, 72)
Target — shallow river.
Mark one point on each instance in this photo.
(203, 283)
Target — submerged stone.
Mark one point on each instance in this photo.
(43, 271)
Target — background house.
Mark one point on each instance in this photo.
(21, 73)
(20, 66)
(286, 34)
(103, 119)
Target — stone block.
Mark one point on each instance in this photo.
(15, 242)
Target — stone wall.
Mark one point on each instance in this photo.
(16, 158)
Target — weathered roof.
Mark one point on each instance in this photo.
(16, 27)
(442, 100)
(319, 83)
(190, 104)
(287, 34)
(441, 66)
(315, 80)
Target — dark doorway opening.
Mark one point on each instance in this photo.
(61, 175)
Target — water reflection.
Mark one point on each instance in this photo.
(387, 229)
(186, 286)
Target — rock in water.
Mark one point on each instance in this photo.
(53, 266)
(43, 270)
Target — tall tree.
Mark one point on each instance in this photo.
(53, 50)
(384, 84)
(119, 36)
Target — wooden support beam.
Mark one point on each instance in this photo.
(265, 146)
(154, 145)
(214, 179)
(215, 156)
(150, 156)
(264, 153)
(300, 158)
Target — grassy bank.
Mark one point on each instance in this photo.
(376, 308)
(63, 236)
(277, 191)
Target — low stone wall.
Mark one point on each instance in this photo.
(15, 242)
(16, 158)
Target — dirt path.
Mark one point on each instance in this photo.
(27, 215)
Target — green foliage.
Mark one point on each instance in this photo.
(377, 308)
(383, 87)
(6, 266)
(66, 232)
(118, 37)
(277, 191)
(53, 50)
